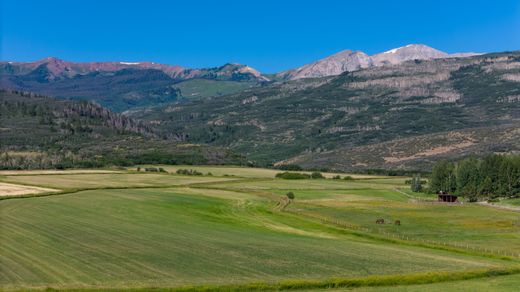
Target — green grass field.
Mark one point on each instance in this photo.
(502, 283)
(141, 230)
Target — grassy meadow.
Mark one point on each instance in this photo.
(136, 230)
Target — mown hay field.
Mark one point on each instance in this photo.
(139, 230)
(246, 172)
(108, 180)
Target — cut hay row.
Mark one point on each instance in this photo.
(332, 283)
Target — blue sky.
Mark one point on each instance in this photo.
(268, 35)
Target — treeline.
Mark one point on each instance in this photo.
(68, 114)
(369, 171)
(478, 178)
(10, 160)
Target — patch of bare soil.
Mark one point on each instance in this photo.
(431, 152)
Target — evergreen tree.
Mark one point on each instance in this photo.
(486, 187)
(443, 177)
(490, 167)
(509, 177)
(467, 176)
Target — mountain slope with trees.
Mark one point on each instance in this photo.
(43, 132)
(395, 116)
(125, 85)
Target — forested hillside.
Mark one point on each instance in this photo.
(397, 116)
(42, 132)
(121, 86)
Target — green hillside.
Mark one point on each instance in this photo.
(204, 88)
(122, 86)
(42, 132)
(410, 115)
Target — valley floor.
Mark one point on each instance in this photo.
(234, 229)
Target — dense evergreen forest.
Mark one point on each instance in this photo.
(478, 178)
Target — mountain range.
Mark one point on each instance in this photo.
(348, 60)
(404, 116)
(403, 108)
(123, 86)
(58, 69)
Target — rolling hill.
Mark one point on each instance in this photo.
(394, 116)
(42, 132)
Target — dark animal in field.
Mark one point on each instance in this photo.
(397, 222)
(380, 221)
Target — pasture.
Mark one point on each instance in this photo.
(137, 230)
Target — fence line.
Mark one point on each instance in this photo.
(392, 235)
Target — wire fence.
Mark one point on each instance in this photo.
(408, 238)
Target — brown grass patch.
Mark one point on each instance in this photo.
(7, 189)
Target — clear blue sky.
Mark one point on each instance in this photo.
(268, 35)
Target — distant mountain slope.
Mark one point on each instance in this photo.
(42, 132)
(333, 65)
(407, 53)
(121, 85)
(350, 61)
(58, 68)
(318, 121)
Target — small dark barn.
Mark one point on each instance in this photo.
(445, 197)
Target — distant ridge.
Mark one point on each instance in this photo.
(354, 60)
(124, 85)
(58, 68)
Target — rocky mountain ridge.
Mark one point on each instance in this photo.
(58, 68)
(124, 85)
(348, 60)
(398, 116)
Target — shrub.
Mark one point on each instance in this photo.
(292, 167)
(290, 195)
(316, 175)
(188, 172)
(292, 175)
(416, 184)
(348, 177)
(336, 177)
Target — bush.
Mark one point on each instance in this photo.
(188, 172)
(336, 177)
(317, 175)
(292, 167)
(416, 184)
(292, 175)
(348, 177)
(290, 195)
